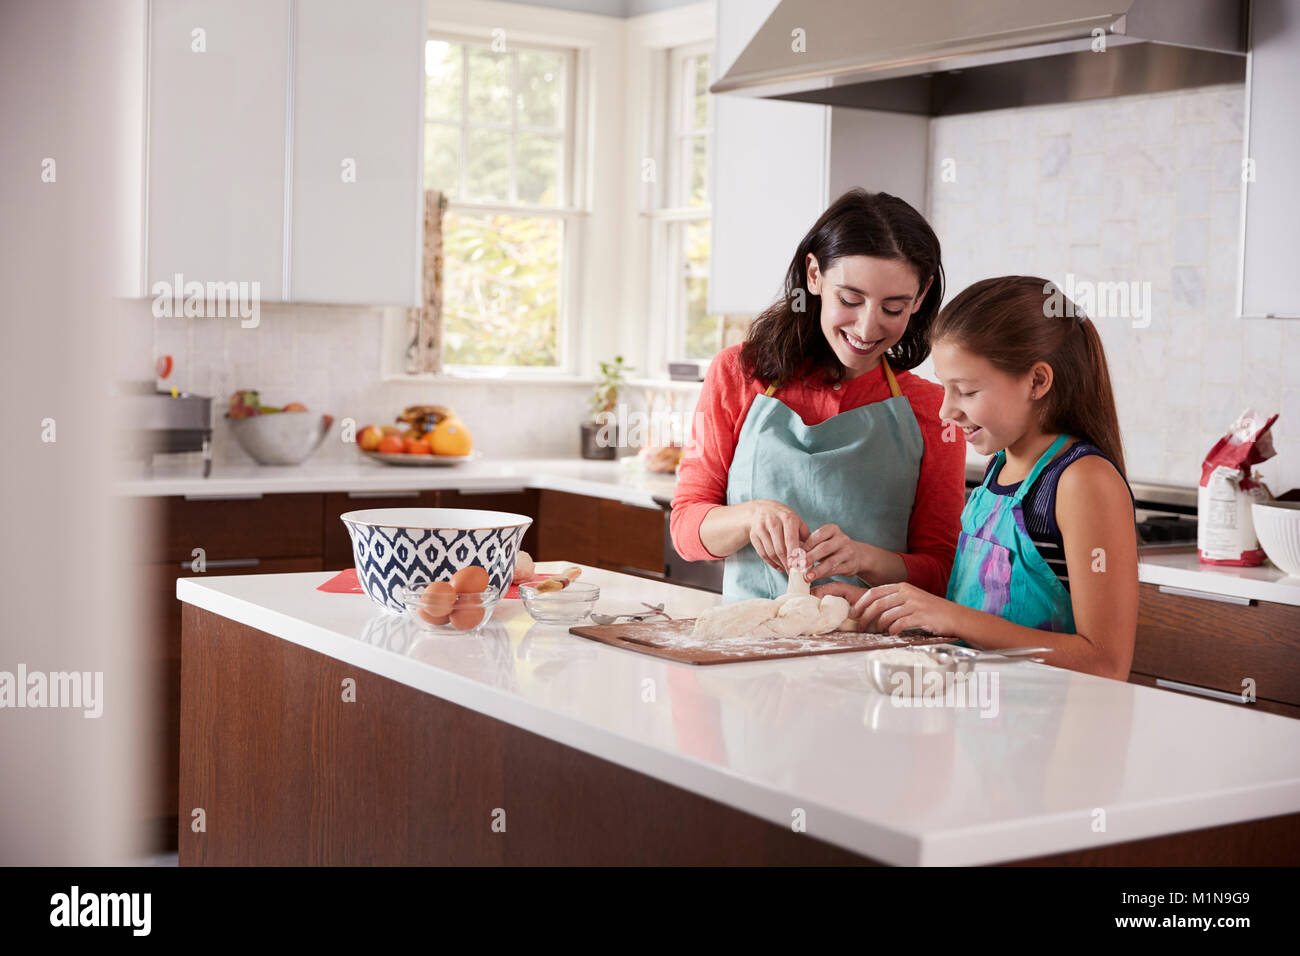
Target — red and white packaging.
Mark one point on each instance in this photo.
(1225, 532)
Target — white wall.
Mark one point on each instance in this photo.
(1140, 188)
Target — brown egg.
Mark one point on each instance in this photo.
(470, 580)
(436, 602)
(465, 618)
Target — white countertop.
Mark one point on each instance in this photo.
(624, 480)
(922, 785)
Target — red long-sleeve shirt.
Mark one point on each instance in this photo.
(724, 402)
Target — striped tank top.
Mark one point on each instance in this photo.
(1039, 505)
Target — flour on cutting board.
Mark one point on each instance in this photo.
(679, 635)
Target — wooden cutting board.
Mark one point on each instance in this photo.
(672, 641)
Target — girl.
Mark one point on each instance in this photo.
(1048, 541)
(806, 437)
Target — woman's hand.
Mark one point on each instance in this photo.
(894, 607)
(831, 552)
(775, 531)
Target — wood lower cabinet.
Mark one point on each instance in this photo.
(600, 533)
(337, 544)
(271, 534)
(1210, 643)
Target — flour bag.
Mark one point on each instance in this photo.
(1225, 532)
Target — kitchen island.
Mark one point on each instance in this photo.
(318, 729)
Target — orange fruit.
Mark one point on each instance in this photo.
(390, 445)
(369, 438)
(451, 437)
(416, 446)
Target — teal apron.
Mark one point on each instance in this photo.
(857, 469)
(998, 568)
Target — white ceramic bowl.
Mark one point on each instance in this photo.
(397, 547)
(1277, 525)
(280, 438)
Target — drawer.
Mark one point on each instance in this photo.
(631, 537)
(337, 549)
(568, 528)
(237, 526)
(1209, 642)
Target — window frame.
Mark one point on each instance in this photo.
(670, 212)
(572, 210)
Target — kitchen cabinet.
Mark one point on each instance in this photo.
(600, 533)
(216, 147)
(1209, 644)
(357, 127)
(239, 534)
(284, 148)
(778, 164)
(1272, 140)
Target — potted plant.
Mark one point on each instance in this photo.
(600, 434)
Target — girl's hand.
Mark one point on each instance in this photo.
(894, 607)
(831, 552)
(775, 531)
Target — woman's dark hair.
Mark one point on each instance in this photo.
(786, 341)
(1016, 321)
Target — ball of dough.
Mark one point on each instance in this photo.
(525, 570)
(833, 611)
(734, 620)
(796, 616)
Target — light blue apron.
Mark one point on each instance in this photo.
(998, 568)
(857, 469)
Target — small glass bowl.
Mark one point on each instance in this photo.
(469, 612)
(569, 605)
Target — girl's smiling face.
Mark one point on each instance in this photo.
(994, 408)
(866, 303)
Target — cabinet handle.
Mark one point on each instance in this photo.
(1202, 691)
(643, 573)
(224, 563)
(253, 497)
(383, 494)
(1206, 596)
(467, 493)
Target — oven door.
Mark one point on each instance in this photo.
(704, 575)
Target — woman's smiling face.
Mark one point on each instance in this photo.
(866, 304)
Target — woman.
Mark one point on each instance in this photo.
(813, 434)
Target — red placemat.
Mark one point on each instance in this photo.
(345, 582)
(512, 592)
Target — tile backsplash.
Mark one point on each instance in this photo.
(328, 358)
(1135, 189)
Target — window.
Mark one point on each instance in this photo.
(499, 141)
(682, 233)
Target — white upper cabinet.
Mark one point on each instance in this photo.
(1272, 142)
(770, 168)
(216, 156)
(284, 141)
(358, 100)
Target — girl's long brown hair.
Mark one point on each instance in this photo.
(1015, 321)
(786, 341)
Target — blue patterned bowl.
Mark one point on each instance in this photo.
(398, 547)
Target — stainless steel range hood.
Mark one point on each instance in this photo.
(938, 57)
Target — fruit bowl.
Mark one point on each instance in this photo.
(418, 461)
(395, 548)
(280, 438)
